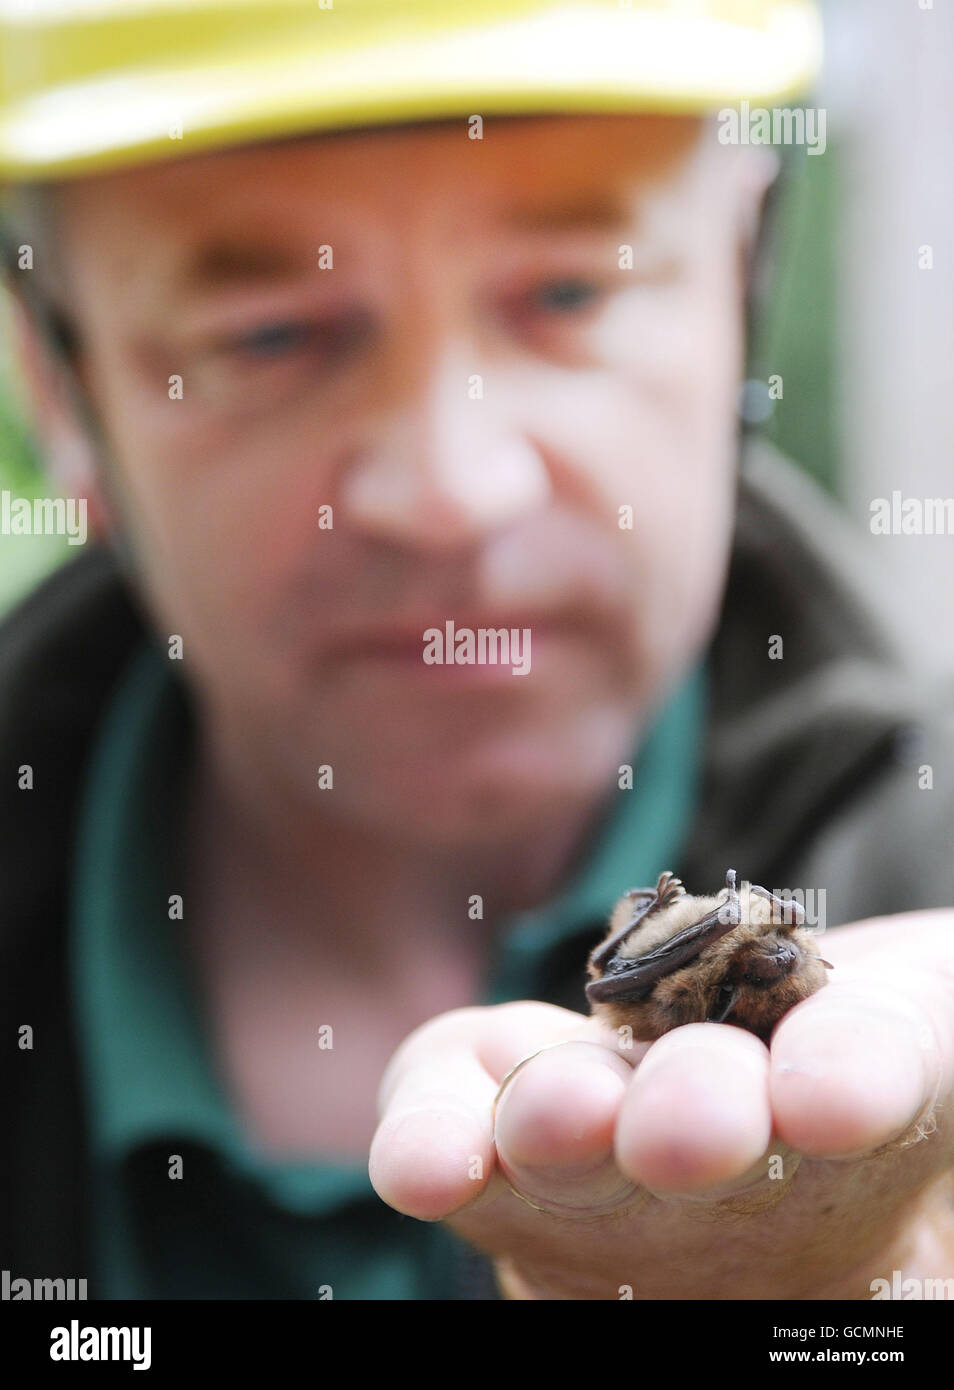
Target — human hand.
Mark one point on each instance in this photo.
(704, 1165)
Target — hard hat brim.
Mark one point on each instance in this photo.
(569, 60)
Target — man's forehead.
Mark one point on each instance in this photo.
(252, 212)
(574, 163)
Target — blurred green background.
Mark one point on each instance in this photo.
(24, 560)
(794, 339)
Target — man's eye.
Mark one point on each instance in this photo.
(331, 340)
(566, 296)
(280, 355)
(273, 340)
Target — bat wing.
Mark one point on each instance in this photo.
(633, 980)
(643, 901)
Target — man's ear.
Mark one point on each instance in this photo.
(68, 449)
(757, 170)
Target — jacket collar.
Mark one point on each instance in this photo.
(803, 729)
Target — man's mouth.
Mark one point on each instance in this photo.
(466, 649)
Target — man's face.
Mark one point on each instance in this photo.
(476, 382)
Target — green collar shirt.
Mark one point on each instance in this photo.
(183, 1205)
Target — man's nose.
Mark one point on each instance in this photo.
(445, 465)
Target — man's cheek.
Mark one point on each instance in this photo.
(206, 586)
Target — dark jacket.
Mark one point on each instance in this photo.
(811, 780)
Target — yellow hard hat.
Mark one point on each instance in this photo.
(90, 85)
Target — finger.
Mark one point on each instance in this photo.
(555, 1125)
(433, 1150)
(696, 1117)
(512, 1032)
(854, 1066)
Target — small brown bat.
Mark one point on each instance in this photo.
(671, 959)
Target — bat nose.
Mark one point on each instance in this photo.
(774, 965)
(786, 955)
(784, 960)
